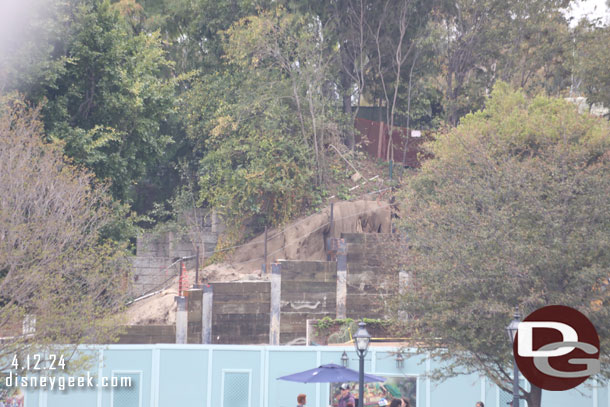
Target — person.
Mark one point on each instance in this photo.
(405, 402)
(479, 404)
(396, 403)
(382, 402)
(301, 400)
(346, 396)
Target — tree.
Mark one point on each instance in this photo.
(378, 45)
(31, 42)
(273, 120)
(591, 62)
(54, 267)
(497, 39)
(512, 210)
(193, 30)
(107, 90)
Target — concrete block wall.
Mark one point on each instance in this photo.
(194, 311)
(155, 252)
(240, 312)
(308, 291)
(150, 272)
(369, 283)
(148, 334)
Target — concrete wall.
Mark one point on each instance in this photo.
(155, 252)
(240, 313)
(150, 273)
(369, 283)
(148, 334)
(308, 292)
(193, 306)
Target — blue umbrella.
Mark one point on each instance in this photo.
(330, 373)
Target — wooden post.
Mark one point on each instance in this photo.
(181, 278)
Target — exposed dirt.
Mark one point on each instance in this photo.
(159, 309)
(301, 240)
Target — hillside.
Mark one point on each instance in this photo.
(302, 239)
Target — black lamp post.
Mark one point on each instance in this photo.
(511, 330)
(361, 340)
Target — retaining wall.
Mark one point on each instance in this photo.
(241, 311)
(370, 283)
(308, 292)
(156, 251)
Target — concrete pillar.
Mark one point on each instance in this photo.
(341, 279)
(181, 320)
(276, 292)
(206, 314)
(214, 222)
(403, 281)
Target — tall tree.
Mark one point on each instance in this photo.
(56, 271)
(110, 104)
(266, 149)
(106, 87)
(591, 72)
(513, 209)
(484, 39)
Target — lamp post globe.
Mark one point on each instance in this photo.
(362, 340)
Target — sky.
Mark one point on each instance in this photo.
(590, 9)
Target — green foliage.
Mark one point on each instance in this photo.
(514, 209)
(523, 43)
(592, 61)
(327, 323)
(194, 29)
(264, 147)
(32, 35)
(107, 99)
(257, 172)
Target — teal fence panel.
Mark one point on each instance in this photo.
(182, 379)
(246, 376)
